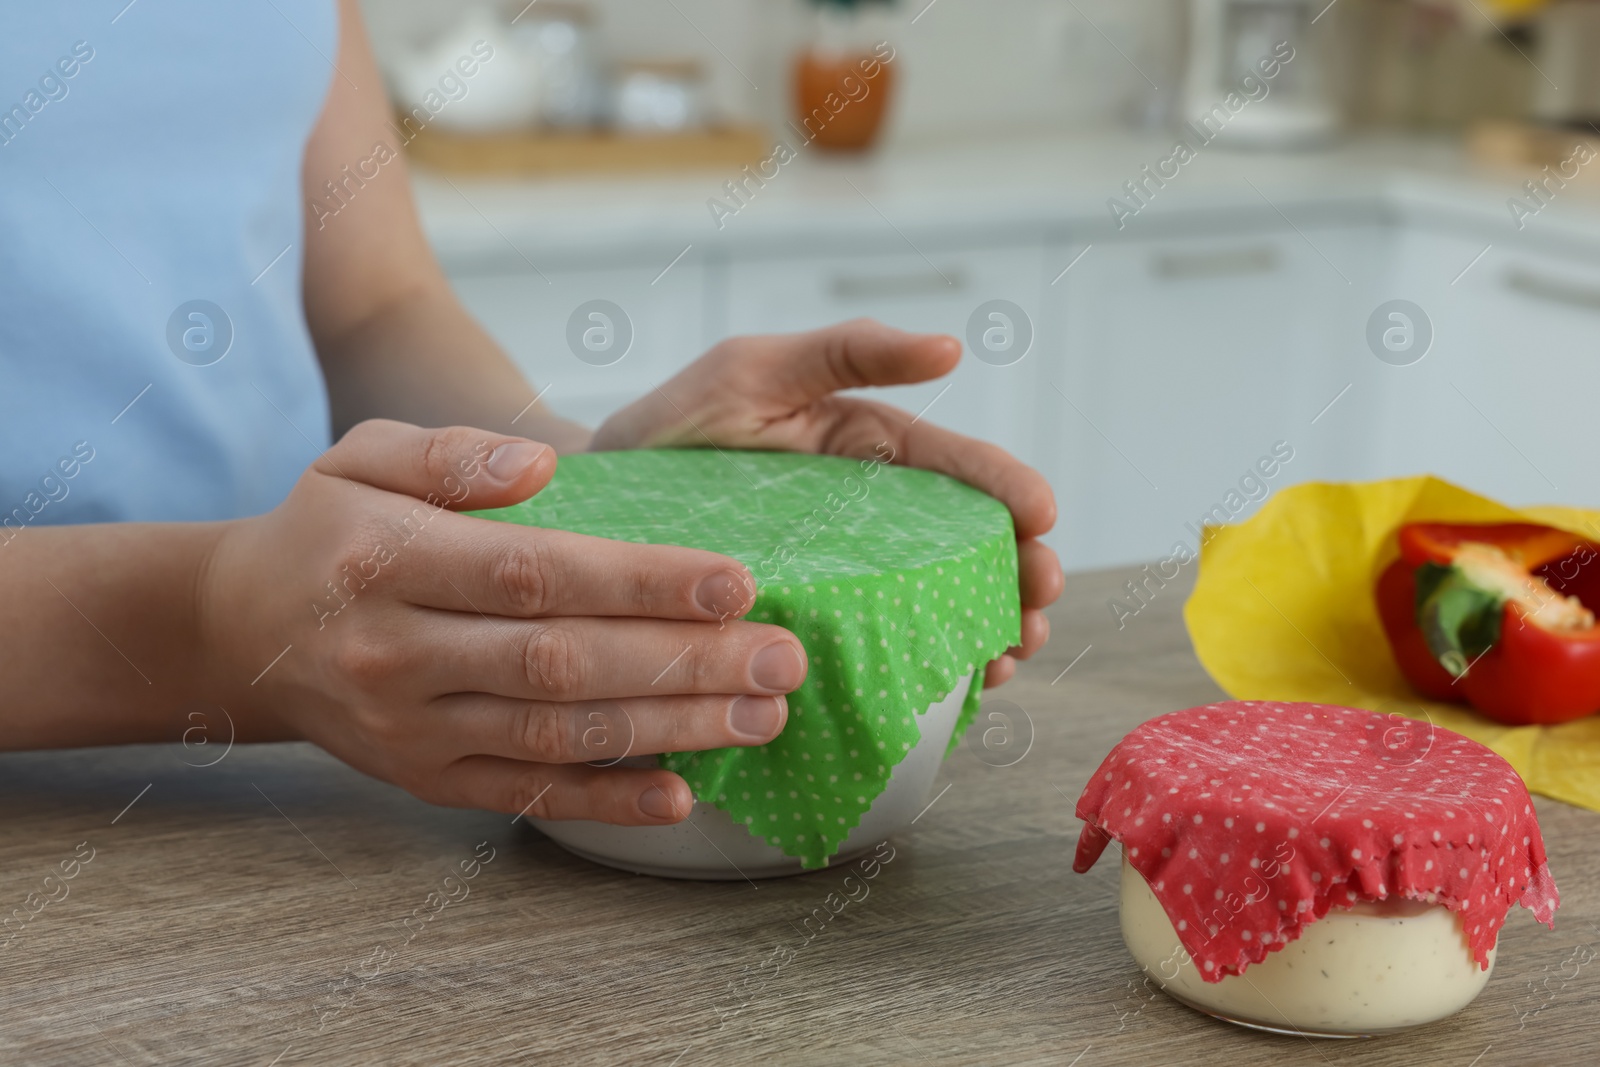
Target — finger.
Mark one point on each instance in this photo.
(850, 426)
(605, 731)
(456, 467)
(1035, 632)
(999, 672)
(625, 796)
(1040, 574)
(852, 355)
(1023, 490)
(570, 659)
(498, 568)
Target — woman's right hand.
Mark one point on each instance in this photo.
(476, 663)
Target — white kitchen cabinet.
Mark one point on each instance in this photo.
(529, 314)
(1500, 404)
(1164, 366)
(1188, 360)
(935, 292)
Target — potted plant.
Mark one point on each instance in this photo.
(844, 78)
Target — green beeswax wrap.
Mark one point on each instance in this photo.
(900, 583)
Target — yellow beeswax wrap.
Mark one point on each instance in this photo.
(1283, 609)
(1512, 10)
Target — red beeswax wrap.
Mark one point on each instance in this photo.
(1251, 819)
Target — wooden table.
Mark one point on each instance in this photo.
(253, 912)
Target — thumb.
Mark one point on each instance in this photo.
(851, 355)
(456, 467)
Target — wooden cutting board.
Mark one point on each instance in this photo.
(1527, 143)
(556, 153)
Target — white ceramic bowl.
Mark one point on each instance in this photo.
(709, 845)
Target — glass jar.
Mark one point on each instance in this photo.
(661, 96)
(844, 78)
(559, 39)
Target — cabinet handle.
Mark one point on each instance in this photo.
(1259, 259)
(881, 286)
(1554, 290)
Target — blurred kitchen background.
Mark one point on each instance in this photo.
(1377, 253)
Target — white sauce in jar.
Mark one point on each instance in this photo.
(1367, 969)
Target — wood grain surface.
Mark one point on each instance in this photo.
(542, 154)
(260, 911)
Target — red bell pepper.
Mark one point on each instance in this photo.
(1496, 615)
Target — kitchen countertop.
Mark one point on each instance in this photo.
(223, 905)
(987, 190)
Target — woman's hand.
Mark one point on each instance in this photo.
(479, 663)
(779, 392)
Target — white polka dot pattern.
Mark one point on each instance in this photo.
(1250, 820)
(900, 583)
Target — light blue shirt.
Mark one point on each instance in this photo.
(150, 157)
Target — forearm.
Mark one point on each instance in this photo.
(392, 339)
(102, 641)
(424, 360)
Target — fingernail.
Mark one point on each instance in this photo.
(724, 594)
(756, 718)
(655, 803)
(509, 460)
(778, 667)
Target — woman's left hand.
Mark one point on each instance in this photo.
(780, 393)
